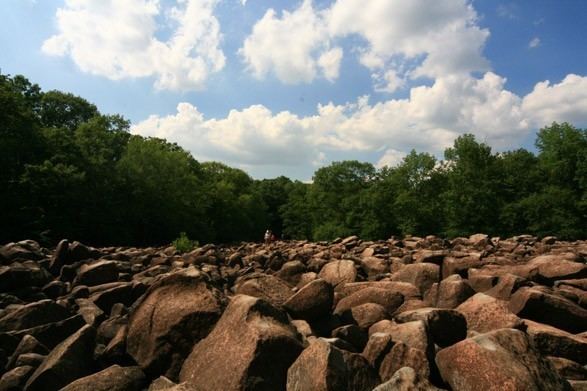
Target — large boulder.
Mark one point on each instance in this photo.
(557, 311)
(97, 273)
(266, 287)
(34, 314)
(388, 299)
(406, 379)
(172, 316)
(22, 274)
(324, 367)
(15, 379)
(337, 272)
(68, 361)
(311, 302)
(499, 360)
(551, 341)
(114, 378)
(422, 275)
(24, 250)
(250, 348)
(450, 292)
(446, 326)
(485, 313)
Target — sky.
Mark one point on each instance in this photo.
(285, 87)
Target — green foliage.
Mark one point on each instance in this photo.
(183, 244)
(66, 170)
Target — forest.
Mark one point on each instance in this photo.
(68, 171)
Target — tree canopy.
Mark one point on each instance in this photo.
(67, 170)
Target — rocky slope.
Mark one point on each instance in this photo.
(474, 313)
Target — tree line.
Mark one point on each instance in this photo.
(67, 170)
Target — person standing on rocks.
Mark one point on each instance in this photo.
(267, 237)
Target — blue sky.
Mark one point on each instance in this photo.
(284, 87)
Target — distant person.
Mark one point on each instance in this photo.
(267, 237)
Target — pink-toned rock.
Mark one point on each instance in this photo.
(551, 341)
(266, 287)
(250, 348)
(557, 311)
(422, 275)
(337, 272)
(499, 360)
(449, 293)
(389, 300)
(311, 302)
(446, 326)
(485, 313)
(172, 316)
(323, 367)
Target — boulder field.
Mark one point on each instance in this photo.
(411, 313)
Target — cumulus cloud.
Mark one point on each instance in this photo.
(117, 39)
(565, 101)
(400, 39)
(294, 46)
(428, 120)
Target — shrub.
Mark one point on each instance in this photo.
(183, 244)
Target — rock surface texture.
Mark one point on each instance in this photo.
(412, 313)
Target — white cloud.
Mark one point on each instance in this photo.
(293, 47)
(116, 39)
(565, 101)
(390, 158)
(428, 120)
(400, 39)
(534, 43)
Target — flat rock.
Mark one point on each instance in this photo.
(266, 287)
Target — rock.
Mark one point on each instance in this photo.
(60, 257)
(79, 252)
(91, 313)
(531, 303)
(365, 315)
(164, 384)
(97, 273)
(568, 369)
(34, 314)
(251, 347)
(70, 360)
(546, 269)
(337, 272)
(124, 292)
(15, 379)
(114, 378)
(389, 300)
(25, 274)
(401, 355)
(506, 285)
(24, 250)
(450, 292)
(352, 334)
(324, 367)
(311, 302)
(485, 313)
(29, 359)
(28, 344)
(498, 360)
(170, 319)
(422, 275)
(446, 327)
(405, 288)
(266, 287)
(51, 334)
(373, 266)
(406, 379)
(291, 272)
(551, 341)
